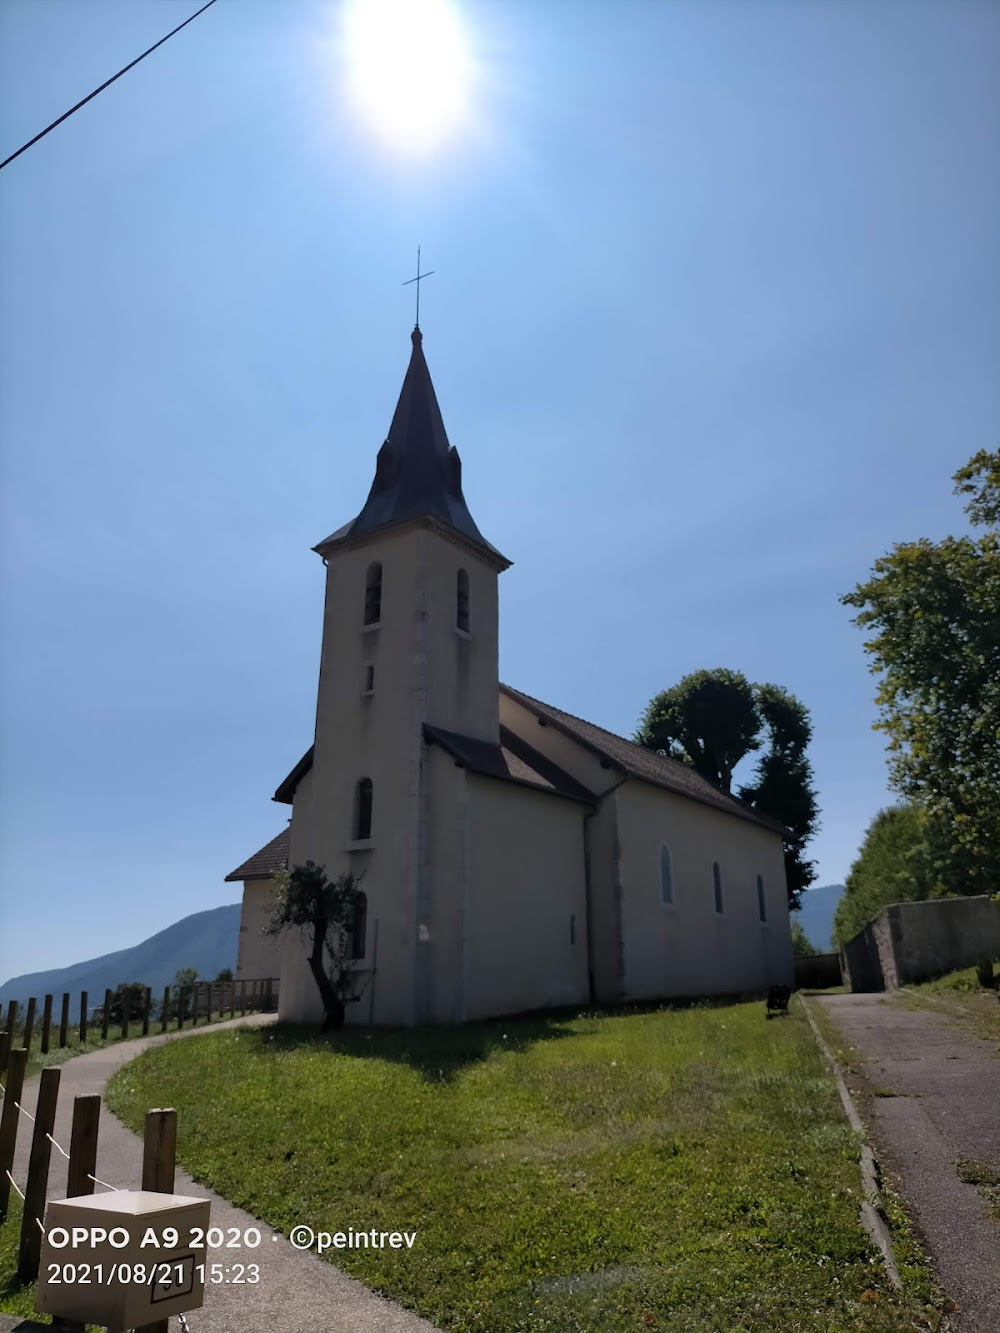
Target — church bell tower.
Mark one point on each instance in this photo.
(409, 641)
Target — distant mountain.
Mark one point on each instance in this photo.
(205, 941)
(816, 916)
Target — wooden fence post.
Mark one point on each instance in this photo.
(126, 998)
(243, 996)
(38, 1176)
(159, 1156)
(46, 1024)
(181, 1006)
(83, 1018)
(8, 1124)
(64, 1020)
(268, 995)
(4, 1050)
(147, 1005)
(29, 1025)
(11, 1018)
(106, 1016)
(82, 1163)
(165, 1011)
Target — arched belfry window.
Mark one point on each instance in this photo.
(666, 878)
(373, 593)
(363, 810)
(462, 601)
(717, 885)
(360, 929)
(761, 904)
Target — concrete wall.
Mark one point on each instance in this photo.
(258, 955)
(526, 919)
(913, 942)
(687, 948)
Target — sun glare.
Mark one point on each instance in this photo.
(408, 68)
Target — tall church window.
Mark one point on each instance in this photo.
(666, 878)
(363, 810)
(373, 593)
(572, 930)
(462, 602)
(761, 905)
(717, 885)
(360, 929)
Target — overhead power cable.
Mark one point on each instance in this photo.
(91, 96)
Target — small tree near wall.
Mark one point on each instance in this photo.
(326, 910)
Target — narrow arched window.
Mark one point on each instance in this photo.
(572, 930)
(666, 878)
(363, 810)
(373, 593)
(761, 905)
(717, 884)
(462, 602)
(360, 927)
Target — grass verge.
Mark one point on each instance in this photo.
(684, 1170)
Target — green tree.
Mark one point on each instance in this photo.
(303, 898)
(895, 864)
(933, 609)
(225, 975)
(185, 977)
(712, 719)
(801, 944)
(130, 995)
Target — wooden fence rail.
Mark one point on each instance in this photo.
(199, 1003)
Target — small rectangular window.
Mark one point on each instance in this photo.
(717, 885)
(369, 678)
(761, 904)
(666, 878)
(572, 930)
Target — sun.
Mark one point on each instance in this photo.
(408, 68)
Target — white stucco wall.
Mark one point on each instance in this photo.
(257, 955)
(526, 875)
(688, 948)
(425, 671)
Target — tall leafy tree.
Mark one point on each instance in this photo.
(933, 609)
(712, 719)
(893, 865)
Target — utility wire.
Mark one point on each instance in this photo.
(67, 114)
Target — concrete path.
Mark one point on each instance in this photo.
(946, 1105)
(297, 1293)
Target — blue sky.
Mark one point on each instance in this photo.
(714, 319)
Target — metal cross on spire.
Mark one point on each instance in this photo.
(418, 279)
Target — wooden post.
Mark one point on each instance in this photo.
(159, 1157)
(8, 1123)
(83, 1018)
(46, 1023)
(11, 1019)
(194, 1004)
(29, 1025)
(268, 1001)
(126, 1000)
(83, 1145)
(64, 1020)
(243, 996)
(4, 1050)
(164, 1012)
(106, 1016)
(232, 999)
(181, 1006)
(38, 1176)
(146, 1006)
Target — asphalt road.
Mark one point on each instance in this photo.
(297, 1292)
(946, 1105)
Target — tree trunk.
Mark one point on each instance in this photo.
(333, 1005)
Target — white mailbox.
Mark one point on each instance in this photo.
(123, 1259)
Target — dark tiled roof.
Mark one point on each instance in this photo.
(418, 474)
(263, 864)
(286, 790)
(512, 761)
(639, 762)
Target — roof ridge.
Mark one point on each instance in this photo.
(587, 723)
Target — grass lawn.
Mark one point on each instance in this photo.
(960, 995)
(681, 1170)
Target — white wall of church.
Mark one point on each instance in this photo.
(527, 868)
(687, 947)
(257, 954)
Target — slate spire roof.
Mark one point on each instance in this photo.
(418, 474)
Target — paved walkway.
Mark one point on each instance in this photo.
(297, 1293)
(946, 1105)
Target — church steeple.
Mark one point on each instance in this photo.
(418, 474)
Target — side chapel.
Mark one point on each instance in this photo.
(515, 857)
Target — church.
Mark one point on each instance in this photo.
(514, 857)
